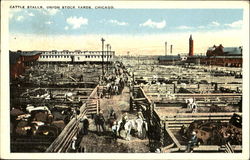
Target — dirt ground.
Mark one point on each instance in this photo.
(104, 142)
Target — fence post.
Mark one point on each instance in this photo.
(131, 101)
(162, 136)
(97, 106)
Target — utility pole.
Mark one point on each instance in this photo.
(102, 57)
(110, 50)
(171, 48)
(166, 48)
(110, 53)
(107, 56)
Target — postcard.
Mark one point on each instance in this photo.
(124, 80)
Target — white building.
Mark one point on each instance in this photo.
(76, 56)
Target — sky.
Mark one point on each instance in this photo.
(137, 31)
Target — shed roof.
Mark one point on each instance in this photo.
(15, 55)
(170, 57)
(30, 53)
(232, 50)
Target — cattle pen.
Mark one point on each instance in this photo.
(50, 100)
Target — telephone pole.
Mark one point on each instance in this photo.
(166, 48)
(171, 48)
(107, 56)
(102, 57)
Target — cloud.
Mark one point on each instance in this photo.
(116, 22)
(66, 28)
(19, 18)
(214, 23)
(184, 27)
(10, 15)
(50, 12)
(76, 22)
(152, 24)
(48, 22)
(201, 27)
(113, 21)
(13, 12)
(235, 24)
(31, 14)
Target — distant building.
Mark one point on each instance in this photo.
(224, 51)
(169, 60)
(219, 56)
(76, 56)
(19, 60)
(216, 55)
(224, 56)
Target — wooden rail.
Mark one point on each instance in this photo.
(196, 95)
(173, 137)
(177, 120)
(177, 147)
(63, 141)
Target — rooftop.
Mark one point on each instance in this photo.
(170, 57)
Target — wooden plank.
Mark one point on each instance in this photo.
(139, 99)
(222, 114)
(202, 148)
(183, 119)
(212, 148)
(186, 123)
(171, 150)
(207, 148)
(203, 95)
(173, 137)
(149, 101)
(234, 147)
(168, 148)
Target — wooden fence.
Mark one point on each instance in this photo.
(163, 125)
(63, 141)
(175, 121)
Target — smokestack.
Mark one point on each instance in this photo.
(166, 48)
(191, 46)
(171, 48)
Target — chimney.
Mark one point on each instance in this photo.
(191, 46)
(171, 48)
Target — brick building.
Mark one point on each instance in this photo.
(223, 56)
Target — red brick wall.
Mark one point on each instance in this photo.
(229, 62)
(191, 47)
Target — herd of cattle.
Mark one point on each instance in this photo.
(37, 120)
(40, 120)
(115, 80)
(216, 132)
(44, 119)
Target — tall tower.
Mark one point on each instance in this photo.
(191, 46)
(171, 48)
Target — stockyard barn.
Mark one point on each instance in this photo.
(94, 101)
